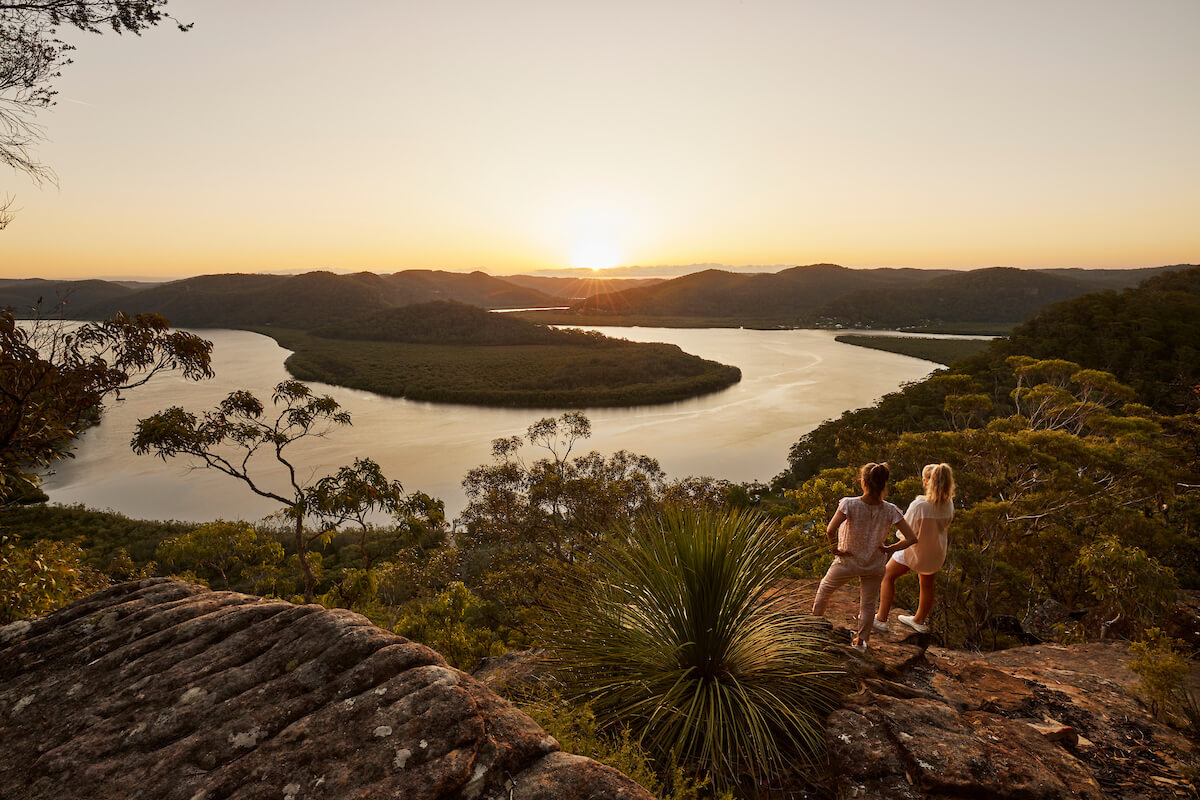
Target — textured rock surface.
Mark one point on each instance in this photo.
(163, 689)
(1041, 722)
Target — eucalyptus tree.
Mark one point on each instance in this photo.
(56, 375)
(32, 55)
(233, 439)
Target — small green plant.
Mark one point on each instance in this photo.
(1162, 667)
(39, 577)
(681, 635)
(452, 624)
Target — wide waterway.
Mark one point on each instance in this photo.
(792, 380)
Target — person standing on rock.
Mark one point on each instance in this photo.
(929, 515)
(857, 534)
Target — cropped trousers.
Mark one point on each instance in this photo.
(868, 593)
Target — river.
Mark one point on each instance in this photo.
(792, 380)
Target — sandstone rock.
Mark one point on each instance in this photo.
(1046, 721)
(1056, 732)
(162, 689)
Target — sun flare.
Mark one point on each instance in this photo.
(595, 255)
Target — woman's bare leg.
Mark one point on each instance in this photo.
(928, 587)
(887, 592)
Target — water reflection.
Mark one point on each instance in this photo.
(791, 381)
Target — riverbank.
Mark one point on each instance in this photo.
(939, 351)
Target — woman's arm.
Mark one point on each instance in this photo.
(910, 538)
(831, 531)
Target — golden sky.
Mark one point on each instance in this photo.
(516, 136)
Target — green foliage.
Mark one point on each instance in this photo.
(104, 536)
(678, 634)
(575, 373)
(940, 351)
(1148, 337)
(574, 726)
(40, 577)
(229, 437)
(1144, 339)
(813, 502)
(523, 520)
(1164, 670)
(232, 551)
(449, 322)
(453, 624)
(55, 376)
(1131, 587)
(991, 295)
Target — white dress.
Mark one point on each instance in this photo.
(930, 522)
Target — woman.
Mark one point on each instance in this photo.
(929, 516)
(857, 534)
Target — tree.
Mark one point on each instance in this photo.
(55, 376)
(353, 494)
(229, 550)
(229, 438)
(525, 517)
(32, 56)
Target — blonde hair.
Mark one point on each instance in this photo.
(874, 478)
(939, 483)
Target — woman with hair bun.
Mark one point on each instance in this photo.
(857, 534)
(929, 515)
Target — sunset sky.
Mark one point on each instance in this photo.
(518, 136)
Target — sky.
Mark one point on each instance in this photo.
(523, 135)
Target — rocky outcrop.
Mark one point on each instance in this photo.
(1042, 722)
(163, 689)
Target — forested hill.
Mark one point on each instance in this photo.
(791, 296)
(24, 295)
(985, 295)
(1147, 337)
(827, 294)
(309, 300)
(450, 322)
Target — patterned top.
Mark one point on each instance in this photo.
(929, 522)
(865, 529)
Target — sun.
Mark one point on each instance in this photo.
(595, 255)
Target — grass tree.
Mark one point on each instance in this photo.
(233, 437)
(680, 633)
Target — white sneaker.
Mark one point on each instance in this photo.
(860, 647)
(882, 627)
(911, 622)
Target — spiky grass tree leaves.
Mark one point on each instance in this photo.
(680, 633)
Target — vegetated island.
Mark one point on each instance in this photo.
(926, 348)
(449, 352)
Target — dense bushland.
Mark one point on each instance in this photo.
(576, 370)
(1078, 514)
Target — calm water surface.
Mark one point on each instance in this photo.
(791, 382)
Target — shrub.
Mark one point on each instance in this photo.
(1163, 669)
(42, 576)
(681, 635)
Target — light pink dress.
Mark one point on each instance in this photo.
(930, 522)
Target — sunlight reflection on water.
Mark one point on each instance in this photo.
(791, 381)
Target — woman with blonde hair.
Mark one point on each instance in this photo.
(929, 516)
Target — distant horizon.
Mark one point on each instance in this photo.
(633, 272)
(531, 135)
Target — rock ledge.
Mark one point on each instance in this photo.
(163, 689)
